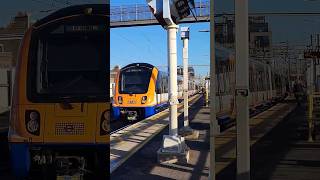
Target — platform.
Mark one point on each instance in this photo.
(143, 164)
(127, 141)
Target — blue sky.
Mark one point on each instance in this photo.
(148, 44)
(9, 8)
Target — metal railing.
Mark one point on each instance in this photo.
(141, 12)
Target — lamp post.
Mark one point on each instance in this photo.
(214, 129)
(242, 90)
(169, 13)
(186, 131)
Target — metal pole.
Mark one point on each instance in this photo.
(242, 89)
(121, 13)
(136, 12)
(173, 99)
(200, 7)
(270, 82)
(266, 82)
(315, 66)
(185, 82)
(310, 108)
(213, 120)
(207, 92)
(289, 61)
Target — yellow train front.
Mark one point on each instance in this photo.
(141, 91)
(60, 112)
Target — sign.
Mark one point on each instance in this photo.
(85, 28)
(184, 32)
(169, 12)
(182, 8)
(156, 8)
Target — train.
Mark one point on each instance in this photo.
(141, 91)
(59, 121)
(265, 84)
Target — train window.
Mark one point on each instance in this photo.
(135, 80)
(260, 83)
(165, 81)
(224, 76)
(257, 81)
(264, 83)
(63, 68)
(159, 84)
(70, 64)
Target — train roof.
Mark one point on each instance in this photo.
(138, 65)
(97, 9)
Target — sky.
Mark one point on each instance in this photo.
(37, 8)
(149, 44)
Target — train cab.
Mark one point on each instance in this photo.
(59, 121)
(140, 91)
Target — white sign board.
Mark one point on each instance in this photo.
(169, 12)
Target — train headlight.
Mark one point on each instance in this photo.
(32, 126)
(120, 100)
(106, 115)
(32, 122)
(144, 99)
(104, 125)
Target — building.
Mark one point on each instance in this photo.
(260, 36)
(260, 39)
(289, 61)
(113, 76)
(10, 38)
(190, 70)
(225, 31)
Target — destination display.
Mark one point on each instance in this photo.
(85, 28)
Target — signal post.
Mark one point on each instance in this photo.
(169, 13)
(186, 131)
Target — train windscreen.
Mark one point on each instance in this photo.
(134, 80)
(71, 60)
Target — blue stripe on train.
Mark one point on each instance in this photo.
(20, 159)
(115, 113)
(20, 154)
(148, 111)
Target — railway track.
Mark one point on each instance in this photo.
(118, 125)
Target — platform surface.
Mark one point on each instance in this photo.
(125, 142)
(143, 164)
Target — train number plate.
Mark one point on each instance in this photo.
(131, 101)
